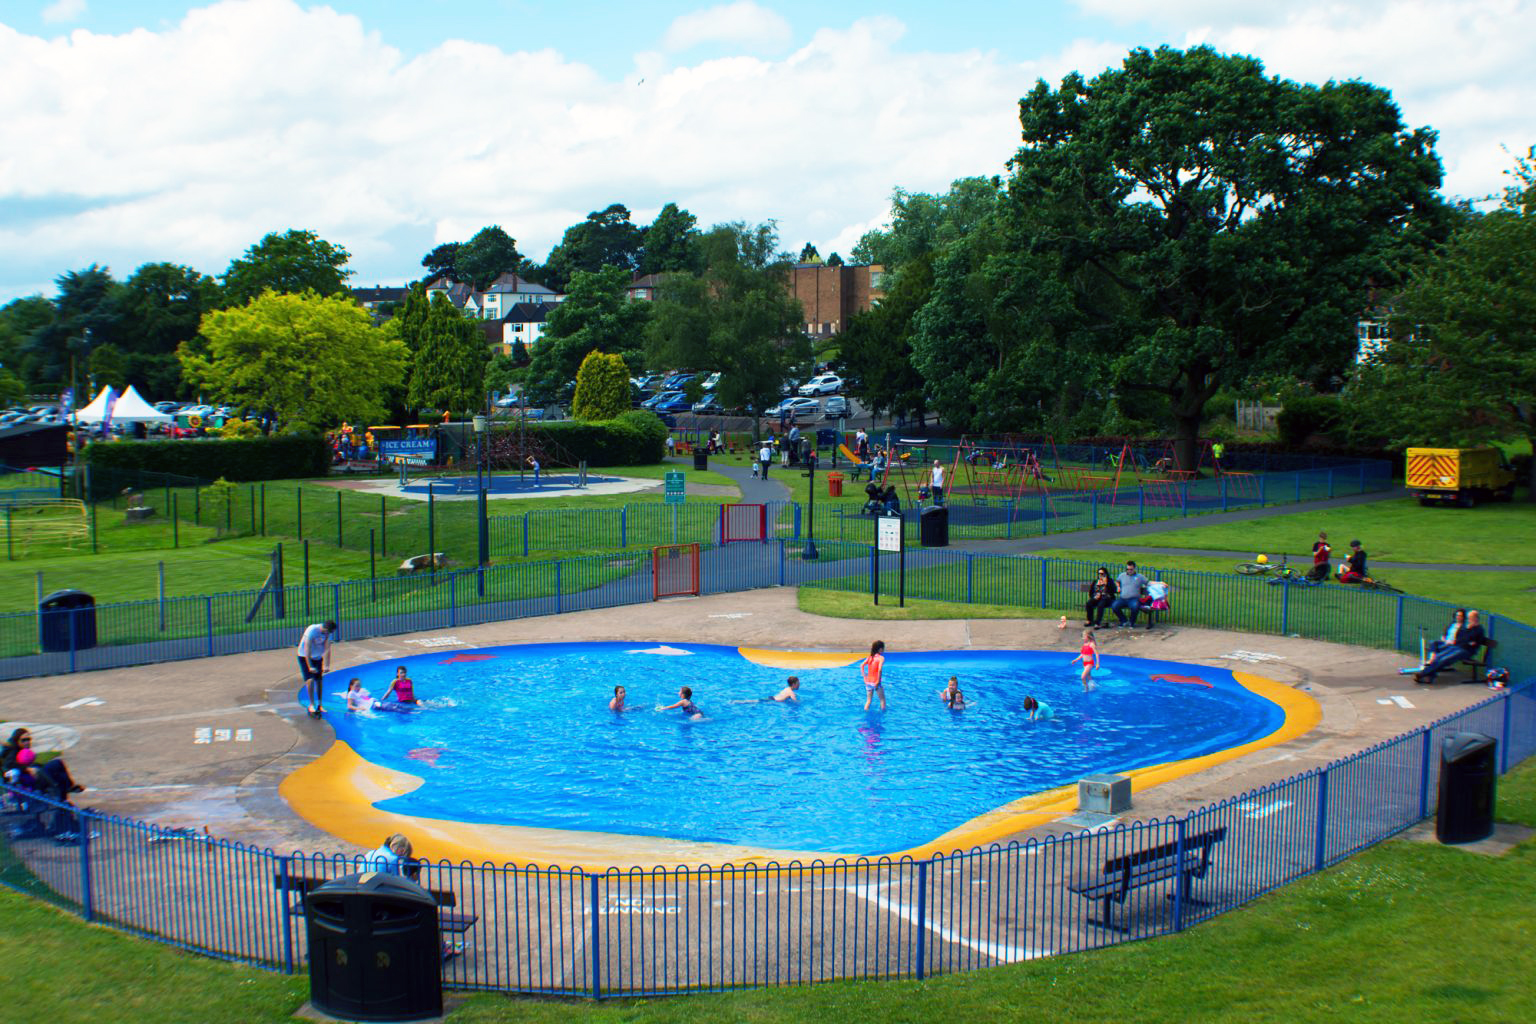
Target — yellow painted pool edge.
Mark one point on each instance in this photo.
(336, 793)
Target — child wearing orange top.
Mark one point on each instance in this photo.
(872, 668)
(1089, 656)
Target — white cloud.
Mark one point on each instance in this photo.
(742, 24)
(191, 142)
(63, 10)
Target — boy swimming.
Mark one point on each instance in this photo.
(791, 687)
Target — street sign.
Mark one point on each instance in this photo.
(676, 484)
(888, 533)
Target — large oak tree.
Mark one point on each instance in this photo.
(1214, 221)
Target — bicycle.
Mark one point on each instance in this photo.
(1371, 583)
(1282, 573)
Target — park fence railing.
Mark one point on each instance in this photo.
(650, 931)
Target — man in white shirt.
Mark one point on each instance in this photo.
(314, 658)
(936, 483)
(765, 457)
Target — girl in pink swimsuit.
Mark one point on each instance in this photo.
(402, 690)
(1089, 656)
(872, 667)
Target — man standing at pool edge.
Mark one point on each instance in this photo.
(314, 658)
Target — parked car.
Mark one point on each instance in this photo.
(836, 407)
(800, 408)
(709, 406)
(653, 403)
(677, 403)
(712, 381)
(677, 380)
(826, 384)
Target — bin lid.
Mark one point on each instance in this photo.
(1458, 745)
(67, 599)
(379, 885)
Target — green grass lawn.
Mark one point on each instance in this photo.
(1391, 531)
(1405, 931)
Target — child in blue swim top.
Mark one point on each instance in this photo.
(685, 704)
(1038, 711)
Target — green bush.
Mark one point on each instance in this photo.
(635, 438)
(1306, 415)
(257, 458)
(602, 388)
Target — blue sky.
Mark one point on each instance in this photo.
(159, 130)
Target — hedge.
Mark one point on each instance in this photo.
(278, 457)
(635, 438)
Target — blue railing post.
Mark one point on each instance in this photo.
(558, 602)
(782, 559)
(1181, 882)
(1141, 504)
(1321, 855)
(282, 871)
(922, 917)
(208, 608)
(1397, 637)
(1285, 608)
(1298, 485)
(623, 526)
(1008, 531)
(525, 534)
(1427, 753)
(83, 830)
(596, 941)
(970, 565)
(1045, 566)
(1094, 498)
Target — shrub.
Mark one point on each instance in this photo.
(602, 388)
(1305, 416)
(258, 458)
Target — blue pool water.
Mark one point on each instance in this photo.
(522, 736)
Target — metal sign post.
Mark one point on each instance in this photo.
(676, 484)
(889, 536)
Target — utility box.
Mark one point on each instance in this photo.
(1104, 794)
(1459, 476)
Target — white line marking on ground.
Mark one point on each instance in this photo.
(995, 950)
(1256, 811)
(1401, 701)
(81, 703)
(731, 615)
(436, 641)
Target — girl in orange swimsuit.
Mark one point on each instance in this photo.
(872, 667)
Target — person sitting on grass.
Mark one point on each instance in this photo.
(1468, 639)
(1354, 570)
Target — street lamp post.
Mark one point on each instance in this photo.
(480, 459)
(811, 554)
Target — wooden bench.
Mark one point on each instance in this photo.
(1147, 867)
(1479, 666)
(448, 922)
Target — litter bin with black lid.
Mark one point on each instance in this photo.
(374, 950)
(1469, 769)
(66, 621)
(700, 458)
(935, 527)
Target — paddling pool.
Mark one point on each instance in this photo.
(522, 736)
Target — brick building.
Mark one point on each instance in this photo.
(832, 295)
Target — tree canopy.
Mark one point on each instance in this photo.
(448, 361)
(602, 388)
(672, 243)
(596, 316)
(288, 263)
(606, 238)
(1209, 221)
(485, 257)
(312, 360)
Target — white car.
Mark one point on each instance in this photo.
(800, 408)
(826, 384)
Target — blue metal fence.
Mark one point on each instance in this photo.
(642, 931)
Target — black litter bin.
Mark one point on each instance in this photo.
(700, 459)
(935, 527)
(66, 621)
(374, 951)
(1468, 770)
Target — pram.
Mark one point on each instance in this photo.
(874, 502)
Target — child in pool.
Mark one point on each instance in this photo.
(685, 703)
(1038, 711)
(955, 699)
(358, 699)
(872, 668)
(1089, 656)
(617, 703)
(947, 694)
(791, 687)
(401, 689)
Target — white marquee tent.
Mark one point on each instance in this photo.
(129, 408)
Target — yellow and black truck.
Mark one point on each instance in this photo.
(1460, 476)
